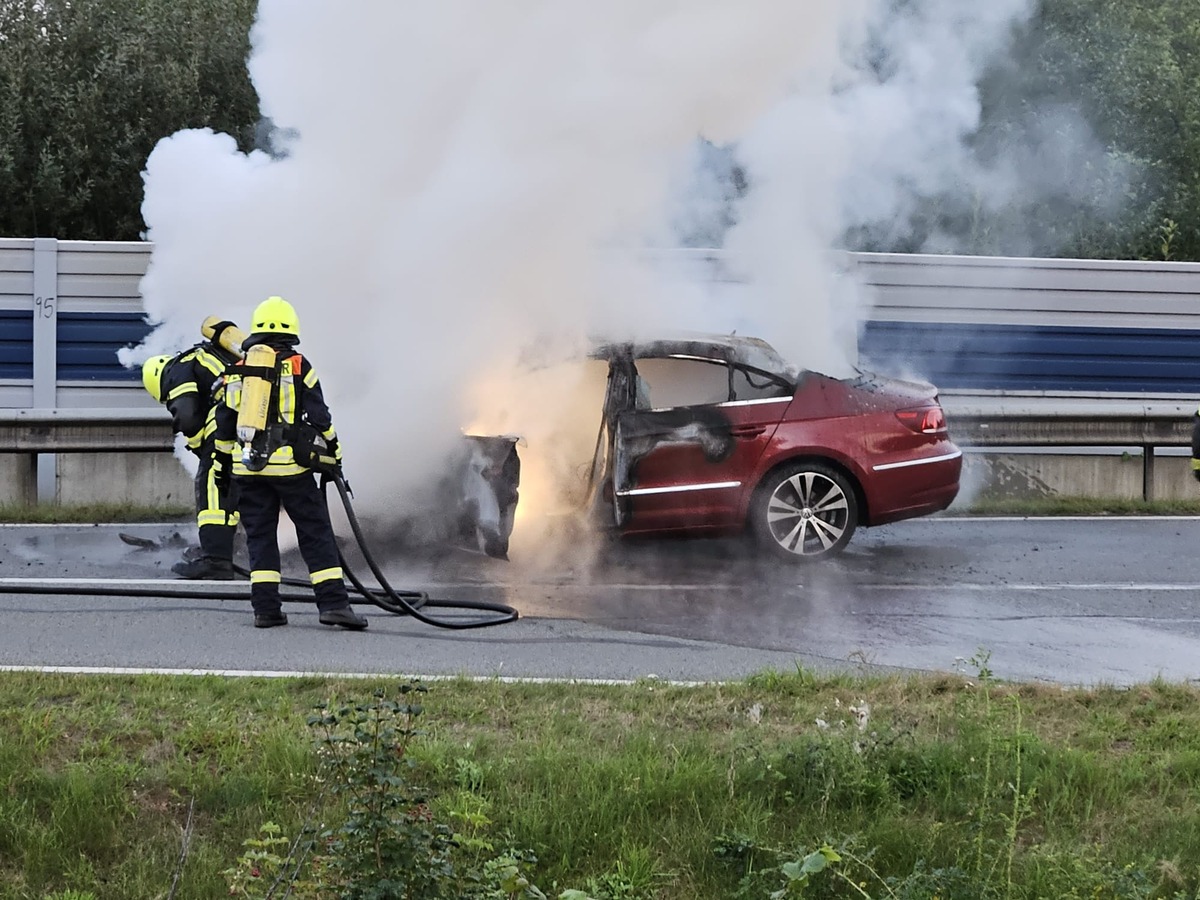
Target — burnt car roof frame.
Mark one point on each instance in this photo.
(752, 353)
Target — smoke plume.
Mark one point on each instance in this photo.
(453, 183)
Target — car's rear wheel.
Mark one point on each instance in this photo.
(804, 512)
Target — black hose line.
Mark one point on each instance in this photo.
(387, 598)
(400, 603)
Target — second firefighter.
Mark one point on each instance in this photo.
(189, 385)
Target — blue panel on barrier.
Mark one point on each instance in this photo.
(16, 343)
(952, 356)
(1036, 358)
(88, 345)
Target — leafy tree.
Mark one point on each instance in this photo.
(87, 87)
(1133, 70)
(1097, 108)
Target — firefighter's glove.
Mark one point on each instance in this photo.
(334, 474)
(1196, 468)
(327, 458)
(335, 450)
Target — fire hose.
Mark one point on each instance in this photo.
(387, 598)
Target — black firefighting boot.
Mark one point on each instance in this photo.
(268, 611)
(270, 619)
(205, 568)
(334, 605)
(343, 616)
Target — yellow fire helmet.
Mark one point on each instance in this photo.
(275, 316)
(152, 371)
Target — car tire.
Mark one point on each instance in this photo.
(804, 512)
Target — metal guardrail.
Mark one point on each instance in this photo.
(1060, 422)
(977, 422)
(85, 431)
(974, 421)
(1075, 422)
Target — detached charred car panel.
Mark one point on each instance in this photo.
(475, 502)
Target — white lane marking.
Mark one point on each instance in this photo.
(431, 585)
(1034, 586)
(587, 585)
(1113, 519)
(233, 588)
(129, 582)
(250, 673)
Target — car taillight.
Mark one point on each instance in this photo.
(923, 420)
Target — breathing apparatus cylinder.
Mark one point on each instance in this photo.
(252, 428)
(224, 333)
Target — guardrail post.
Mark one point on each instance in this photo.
(1148, 472)
(45, 353)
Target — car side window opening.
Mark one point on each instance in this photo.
(749, 384)
(664, 383)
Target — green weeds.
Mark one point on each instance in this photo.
(90, 513)
(1074, 506)
(785, 785)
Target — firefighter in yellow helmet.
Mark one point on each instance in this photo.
(188, 383)
(273, 428)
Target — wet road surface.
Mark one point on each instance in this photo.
(1060, 600)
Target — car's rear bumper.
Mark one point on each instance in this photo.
(905, 489)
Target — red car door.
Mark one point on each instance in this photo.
(683, 464)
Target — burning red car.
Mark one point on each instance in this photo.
(718, 435)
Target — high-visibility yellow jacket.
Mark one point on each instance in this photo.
(190, 387)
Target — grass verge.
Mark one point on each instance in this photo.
(947, 786)
(1076, 506)
(88, 513)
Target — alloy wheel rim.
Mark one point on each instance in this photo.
(807, 513)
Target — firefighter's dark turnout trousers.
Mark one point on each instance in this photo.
(192, 389)
(215, 513)
(259, 500)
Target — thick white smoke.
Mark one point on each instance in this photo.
(909, 121)
(461, 179)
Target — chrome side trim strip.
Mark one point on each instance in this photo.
(756, 402)
(716, 485)
(917, 462)
(724, 404)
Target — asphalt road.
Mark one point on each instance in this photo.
(1060, 600)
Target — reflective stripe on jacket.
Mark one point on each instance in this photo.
(190, 386)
